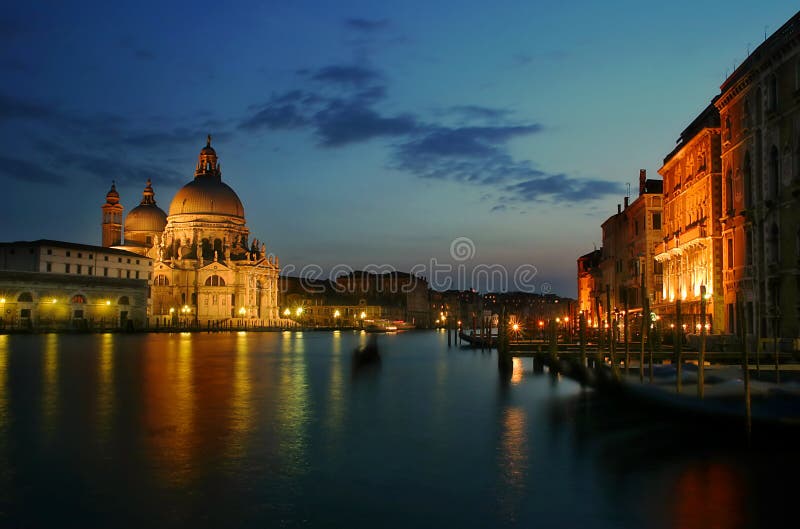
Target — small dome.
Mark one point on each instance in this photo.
(145, 217)
(112, 197)
(209, 196)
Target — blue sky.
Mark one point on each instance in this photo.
(362, 133)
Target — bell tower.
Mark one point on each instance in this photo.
(112, 218)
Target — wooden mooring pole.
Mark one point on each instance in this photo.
(701, 358)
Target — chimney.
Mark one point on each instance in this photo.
(642, 181)
(626, 202)
(619, 209)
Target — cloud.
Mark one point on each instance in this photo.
(343, 124)
(145, 55)
(560, 187)
(343, 74)
(366, 25)
(477, 112)
(14, 108)
(476, 152)
(27, 171)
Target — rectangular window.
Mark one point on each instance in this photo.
(79, 269)
(80, 255)
(730, 254)
(90, 270)
(119, 259)
(66, 268)
(137, 261)
(49, 251)
(128, 274)
(129, 261)
(105, 258)
(90, 256)
(25, 313)
(137, 274)
(656, 221)
(119, 273)
(105, 272)
(49, 267)
(67, 253)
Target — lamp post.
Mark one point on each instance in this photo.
(363, 315)
(336, 315)
(242, 313)
(172, 316)
(299, 313)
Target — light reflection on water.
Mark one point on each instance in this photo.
(247, 429)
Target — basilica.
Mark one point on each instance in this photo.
(206, 268)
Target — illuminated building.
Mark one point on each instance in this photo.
(205, 266)
(48, 284)
(759, 106)
(630, 239)
(691, 250)
(590, 281)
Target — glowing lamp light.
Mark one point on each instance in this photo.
(541, 323)
(53, 300)
(299, 311)
(515, 327)
(2, 300)
(242, 311)
(336, 314)
(566, 319)
(287, 312)
(172, 310)
(363, 315)
(108, 302)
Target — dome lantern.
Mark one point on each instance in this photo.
(207, 163)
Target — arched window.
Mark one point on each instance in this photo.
(729, 192)
(748, 181)
(161, 281)
(774, 173)
(78, 298)
(774, 240)
(124, 301)
(25, 297)
(215, 281)
(772, 93)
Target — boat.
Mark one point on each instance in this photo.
(367, 354)
(477, 340)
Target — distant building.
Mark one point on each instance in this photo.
(630, 238)
(48, 284)
(393, 296)
(691, 250)
(590, 280)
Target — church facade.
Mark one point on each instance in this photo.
(206, 267)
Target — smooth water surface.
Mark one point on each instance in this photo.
(279, 430)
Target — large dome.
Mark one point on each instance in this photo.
(146, 217)
(206, 195)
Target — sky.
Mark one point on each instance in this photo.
(479, 145)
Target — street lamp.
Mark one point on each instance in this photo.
(363, 315)
(336, 315)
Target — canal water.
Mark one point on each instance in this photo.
(279, 430)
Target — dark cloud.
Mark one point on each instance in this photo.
(27, 171)
(145, 55)
(476, 153)
(14, 108)
(468, 142)
(477, 112)
(339, 125)
(366, 25)
(560, 187)
(344, 74)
